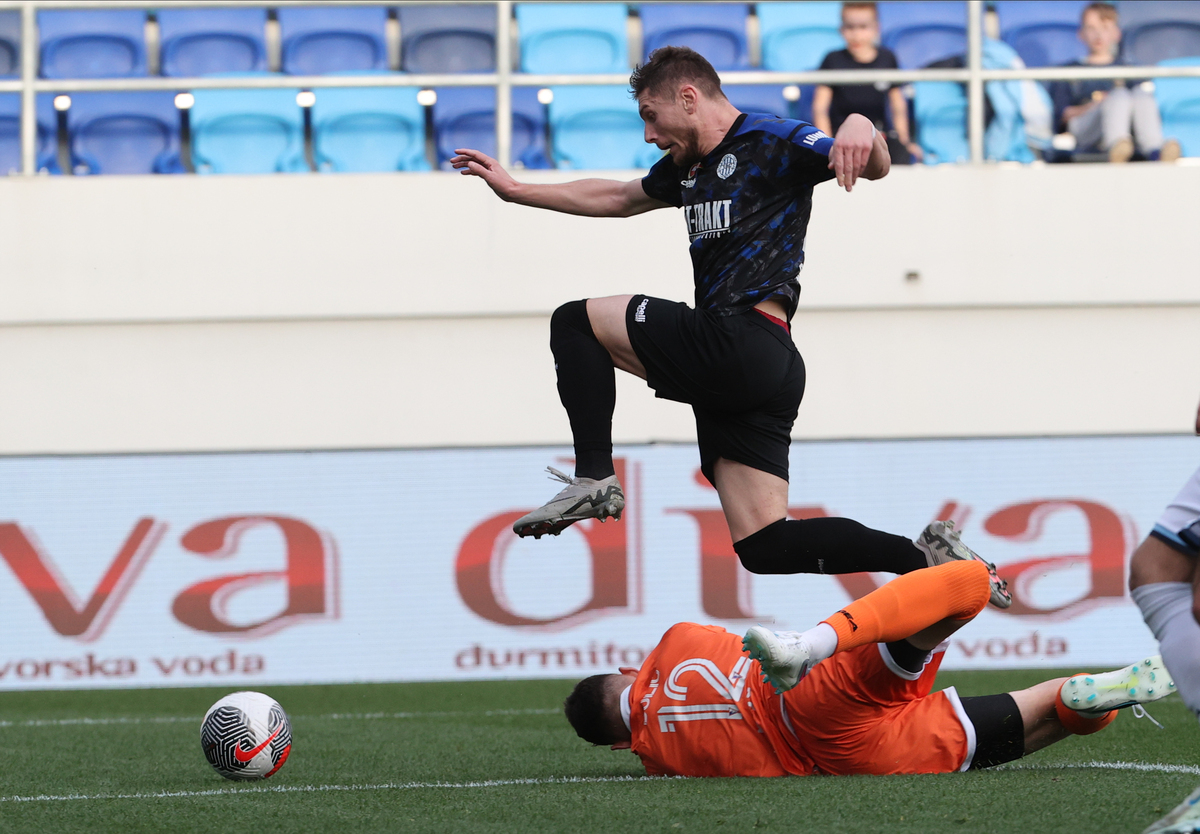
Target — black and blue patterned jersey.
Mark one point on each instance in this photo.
(747, 204)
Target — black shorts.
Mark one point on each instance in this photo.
(741, 374)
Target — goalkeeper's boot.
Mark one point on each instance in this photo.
(581, 498)
(1142, 683)
(940, 543)
(782, 655)
(1185, 819)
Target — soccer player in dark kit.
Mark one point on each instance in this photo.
(744, 182)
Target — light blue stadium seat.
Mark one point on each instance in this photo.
(10, 134)
(573, 37)
(124, 133)
(796, 37)
(940, 108)
(10, 44)
(369, 129)
(1179, 101)
(1158, 30)
(758, 98)
(108, 43)
(1045, 33)
(322, 39)
(208, 41)
(448, 37)
(598, 127)
(715, 30)
(247, 132)
(465, 117)
(923, 31)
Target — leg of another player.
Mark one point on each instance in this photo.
(768, 542)
(1165, 584)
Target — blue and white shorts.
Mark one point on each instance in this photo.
(1179, 525)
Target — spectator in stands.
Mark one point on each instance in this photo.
(832, 104)
(1109, 114)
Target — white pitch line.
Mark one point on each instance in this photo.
(501, 783)
(385, 786)
(336, 716)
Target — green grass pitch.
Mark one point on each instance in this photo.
(499, 757)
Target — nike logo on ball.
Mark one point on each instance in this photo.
(244, 756)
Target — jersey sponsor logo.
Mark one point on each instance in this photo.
(690, 182)
(639, 315)
(727, 166)
(710, 219)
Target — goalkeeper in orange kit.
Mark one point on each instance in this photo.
(852, 695)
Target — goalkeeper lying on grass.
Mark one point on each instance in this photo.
(852, 695)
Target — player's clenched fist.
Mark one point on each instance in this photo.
(478, 164)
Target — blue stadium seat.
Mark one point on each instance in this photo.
(758, 98)
(598, 127)
(1179, 101)
(322, 39)
(448, 37)
(369, 129)
(797, 36)
(93, 44)
(247, 132)
(124, 133)
(465, 117)
(1045, 33)
(1156, 31)
(207, 41)
(940, 108)
(715, 30)
(573, 37)
(10, 44)
(923, 31)
(10, 134)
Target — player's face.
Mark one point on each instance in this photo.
(671, 126)
(859, 28)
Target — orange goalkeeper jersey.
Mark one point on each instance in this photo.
(699, 708)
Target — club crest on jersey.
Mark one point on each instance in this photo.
(727, 166)
(710, 219)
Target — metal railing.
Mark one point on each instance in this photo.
(504, 78)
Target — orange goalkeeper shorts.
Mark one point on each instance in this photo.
(859, 712)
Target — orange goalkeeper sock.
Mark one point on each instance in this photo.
(913, 602)
(1077, 724)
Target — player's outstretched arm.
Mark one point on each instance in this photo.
(590, 198)
(856, 153)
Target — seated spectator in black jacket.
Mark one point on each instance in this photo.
(832, 104)
(1109, 114)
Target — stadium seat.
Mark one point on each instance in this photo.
(448, 38)
(109, 43)
(247, 132)
(598, 127)
(10, 134)
(206, 41)
(1179, 101)
(1044, 33)
(796, 37)
(1156, 31)
(465, 117)
(369, 129)
(923, 31)
(10, 44)
(758, 98)
(124, 133)
(573, 37)
(322, 39)
(715, 30)
(940, 108)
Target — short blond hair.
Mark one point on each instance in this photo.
(1105, 11)
(872, 7)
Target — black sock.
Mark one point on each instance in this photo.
(826, 545)
(587, 386)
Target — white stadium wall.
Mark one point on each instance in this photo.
(400, 324)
